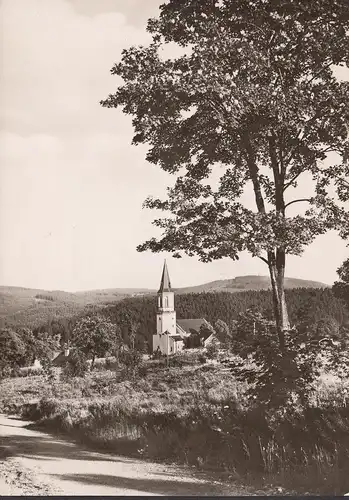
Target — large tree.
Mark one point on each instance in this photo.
(252, 103)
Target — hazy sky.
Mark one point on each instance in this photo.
(71, 184)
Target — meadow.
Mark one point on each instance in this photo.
(196, 412)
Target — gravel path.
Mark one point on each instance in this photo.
(36, 463)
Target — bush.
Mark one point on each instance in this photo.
(76, 365)
(131, 359)
(282, 380)
(212, 349)
(29, 371)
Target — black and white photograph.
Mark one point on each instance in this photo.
(174, 248)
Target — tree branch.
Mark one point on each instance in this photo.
(304, 130)
(253, 171)
(296, 201)
(319, 72)
(278, 180)
(295, 177)
(263, 259)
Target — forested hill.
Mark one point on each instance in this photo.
(34, 307)
(242, 283)
(313, 306)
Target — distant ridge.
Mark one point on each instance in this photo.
(242, 283)
(34, 307)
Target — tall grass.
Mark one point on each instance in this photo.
(198, 415)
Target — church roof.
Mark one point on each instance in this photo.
(192, 325)
(176, 337)
(165, 285)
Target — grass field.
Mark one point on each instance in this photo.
(196, 413)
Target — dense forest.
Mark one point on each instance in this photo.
(316, 307)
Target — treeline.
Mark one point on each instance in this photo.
(306, 306)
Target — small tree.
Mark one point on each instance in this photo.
(133, 329)
(341, 287)
(12, 351)
(30, 342)
(212, 349)
(223, 333)
(131, 359)
(95, 336)
(278, 380)
(46, 345)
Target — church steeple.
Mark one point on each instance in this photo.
(165, 284)
(166, 325)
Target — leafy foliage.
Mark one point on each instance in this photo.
(76, 365)
(223, 333)
(21, 347)
(95, 336)
(252, 104)
(131, 359)
(261, 96)
(280, 381)
(309, 307)
(341, 287)
(12, 350)
(212, 349)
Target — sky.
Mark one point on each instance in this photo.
(71, 184)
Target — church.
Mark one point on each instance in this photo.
(172, 334)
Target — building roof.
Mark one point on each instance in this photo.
(206, 335)
(176, 337)
(61, 358)
(192, 325)
(165, 285)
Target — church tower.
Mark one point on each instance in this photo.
(166, 314)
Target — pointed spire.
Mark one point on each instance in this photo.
(165, 285)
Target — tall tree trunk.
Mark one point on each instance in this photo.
(276, 264)
(276, 258)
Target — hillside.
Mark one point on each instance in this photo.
(242, 283)
(34, 307)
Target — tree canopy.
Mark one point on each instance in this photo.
(95, 336)
(253, 103)
(264, 108)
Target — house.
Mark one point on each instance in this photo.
(198, 331)
(61, 358)
(173, 335)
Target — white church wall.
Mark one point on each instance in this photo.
(161, 341)
(166, 321)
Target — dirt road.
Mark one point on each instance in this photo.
(33, 462)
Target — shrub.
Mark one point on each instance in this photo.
(44, 297)
(131, 359)
(282, 380)
(29, 371)
(76, 365)
(212, 349)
